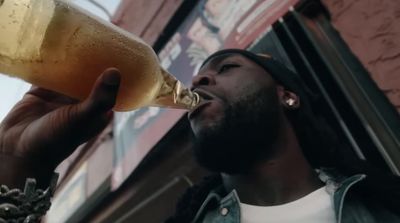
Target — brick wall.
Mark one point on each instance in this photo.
(371, 28)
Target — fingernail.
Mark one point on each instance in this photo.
(111, 78)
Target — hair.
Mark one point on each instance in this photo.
(322, 149)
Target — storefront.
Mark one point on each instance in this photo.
(151, 163)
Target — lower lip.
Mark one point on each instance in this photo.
(200, 107)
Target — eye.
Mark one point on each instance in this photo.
(226, 67)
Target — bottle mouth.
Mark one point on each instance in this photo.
(187, 98)
(173, 94)
(196, 99)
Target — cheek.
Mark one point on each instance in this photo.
(242, 91)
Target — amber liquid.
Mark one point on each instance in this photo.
(53, 45)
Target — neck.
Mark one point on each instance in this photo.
(284, 178)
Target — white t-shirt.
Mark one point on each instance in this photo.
(316, 207)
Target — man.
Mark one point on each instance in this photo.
(275, 161)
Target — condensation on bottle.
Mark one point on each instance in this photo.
(57, 46)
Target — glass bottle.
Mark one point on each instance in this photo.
(52, 44)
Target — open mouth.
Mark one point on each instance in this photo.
(204, 94)
(206, 99)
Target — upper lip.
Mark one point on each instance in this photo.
(205, 95)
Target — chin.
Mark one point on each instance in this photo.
(201, 127)
(206, 122)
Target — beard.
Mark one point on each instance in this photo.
(244, 136)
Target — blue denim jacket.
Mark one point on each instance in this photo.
(348, 207)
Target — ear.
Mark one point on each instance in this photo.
(288, 99)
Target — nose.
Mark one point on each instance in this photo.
(203, 80)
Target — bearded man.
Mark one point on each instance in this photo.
(274, 158)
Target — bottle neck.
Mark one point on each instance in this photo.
(173, 94)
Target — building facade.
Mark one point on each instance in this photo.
(346, 51)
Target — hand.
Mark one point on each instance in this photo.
(45, 127)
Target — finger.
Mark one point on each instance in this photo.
(39, 91)
(84, 120)
(104, 93)
(50, 96)
(73, 125)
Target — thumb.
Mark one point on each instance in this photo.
(93, 114)
(76, 124)
(104, 93)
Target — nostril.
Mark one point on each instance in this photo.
(204, 81)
